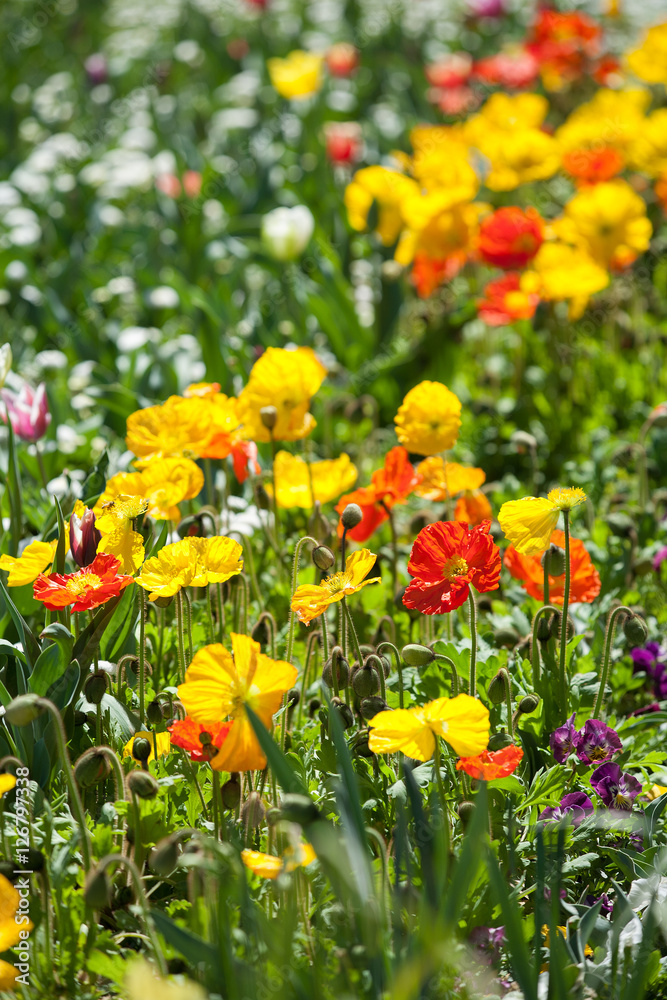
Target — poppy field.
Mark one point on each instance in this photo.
(333, 539)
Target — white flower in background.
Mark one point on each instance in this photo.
(5, 362)
(286, 232)
(644, 890)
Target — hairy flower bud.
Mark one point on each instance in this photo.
(342, 668)
(351, 516)
(323, 557)
(154, 712)
(95, 687)
(344, 712)
(231, 792)
(253, 810)
(164, 856)
(269, 417)
(299, 809)
(371, 706)
(84, 537)
(499, 741)
(554, 561)
(465, 810)
(92, 768)
(635, 630)
(528, 704)
(97, 890)
(141, 749)
(142, 784)
(23, 710)
(496, 689)
(416, 655)
(506, 637)
(544, 628)
(365, 681)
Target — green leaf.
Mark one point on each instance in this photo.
(121, 625)
(89, 641)
(61, 548)
(51, 663)
(288, 779)
(193, 948)
(10, 650)
(30, 644)
(63, 690)
(14, 493)
(519, 957)
(346, 771)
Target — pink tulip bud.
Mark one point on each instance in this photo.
(28, 411)
(84, 537)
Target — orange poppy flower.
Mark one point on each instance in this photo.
(506, 301)
(87, 589)
(591, 166)
(472, 508)
(390, 485)
(447, 557)
(510, 237)
(491, 764)
(186, 733)
(428, 273)
(584, 578)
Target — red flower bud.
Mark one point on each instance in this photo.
(84, 537)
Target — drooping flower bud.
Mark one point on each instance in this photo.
(299, 809)
(496, 689)
(528, 704)
(372, 706)
(154, 712)
(323, 557)
(91, 768)
(365, 681)
(269, 417)
(141, 749)
(253, 810)
(142, 783)
(97, 890)
(342, 667)
(23, 710)
(84, 537)
(344, 712)
(635, 630)
(95, 687)
(416, 655)
(231, 792)
(554, 561)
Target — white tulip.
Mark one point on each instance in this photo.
(286, 232)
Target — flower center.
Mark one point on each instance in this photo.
(336, 583)
(454, 566)
(80, 587)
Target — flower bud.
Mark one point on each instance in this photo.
(262, 498)
(231, 792)
(528, 704)
(465, 810)
(499, 741)
(269, 417)
(273, 816)
(544, 628)
(313, 706)
(154, 712)
(359, 744)
(342, 59)
(84, 537)
(299, 809)
(22, 711)
(365, 681)
(253, 811)
(344, 712)
(635, 630)
(320, 526)
(164, 856)
(370, 707)
(97, 890)
(496, 689)
(286, 232)
(91, 768)
(554, 561)
(323, 557)
(163, 602)
(141, 749)
(142, 784)
(506, 636)
(342, 669)
(416, 655)
(351, 516)
(95, 687)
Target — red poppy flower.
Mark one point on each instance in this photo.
(591, 166)
(562, 42)
(584, 578)
(428, 273)
(452, 70)
(511, 236)
(343, 141)
(244, 460)
(472, 508)
(491, 764)
(91, 586)
(446, 558)
(186, 733)
(505, 301)
(390, 485)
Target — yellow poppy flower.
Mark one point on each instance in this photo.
(161, 740)
(648, 152)
(142, 982)
(164, 483)
(608, 221)
(463, 722)
(649, 60)
(298, 487)
(269, 866)
(297, 76)
(507, 112)
(116, 525)
(177, 428)
(613, 118)
(444, 168)
(528, 523)
(311, 600)
(389, 189)
(562, 272)
(287, 380)
(9, 904)
(518, 157)
(441, 480)
(7, 782)
(219, 685)
(192, 562)
(441, 233)
(428, 419)
(35, 559)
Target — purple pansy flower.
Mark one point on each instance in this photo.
(616, 789)
(562, 740)
(576, 806)
(647, 709)
(651, 658)
(596, 742)
(607, 907)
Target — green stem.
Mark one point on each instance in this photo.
(221, 613)
(562, 673)
(216, 803)
(325, 636)
(399, 667)
(121, 859)
(276, 521)
(180, 637)
(473, 646)
(545, 585)
(142, 655)
(353, 633)
(188, 610)
(441, 794)
(606, 659)
(209, 610)
(534, 646)
(455, 675)
(75, 798)
(295, 580)
(508, 700)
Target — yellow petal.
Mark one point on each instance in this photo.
(161, 740)
(403, 729)
(462, 721)
(358, 565)
(240, 750)
(265, 865)
(211, 683)
(7, 782)
(528, 523)
(35, 559)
